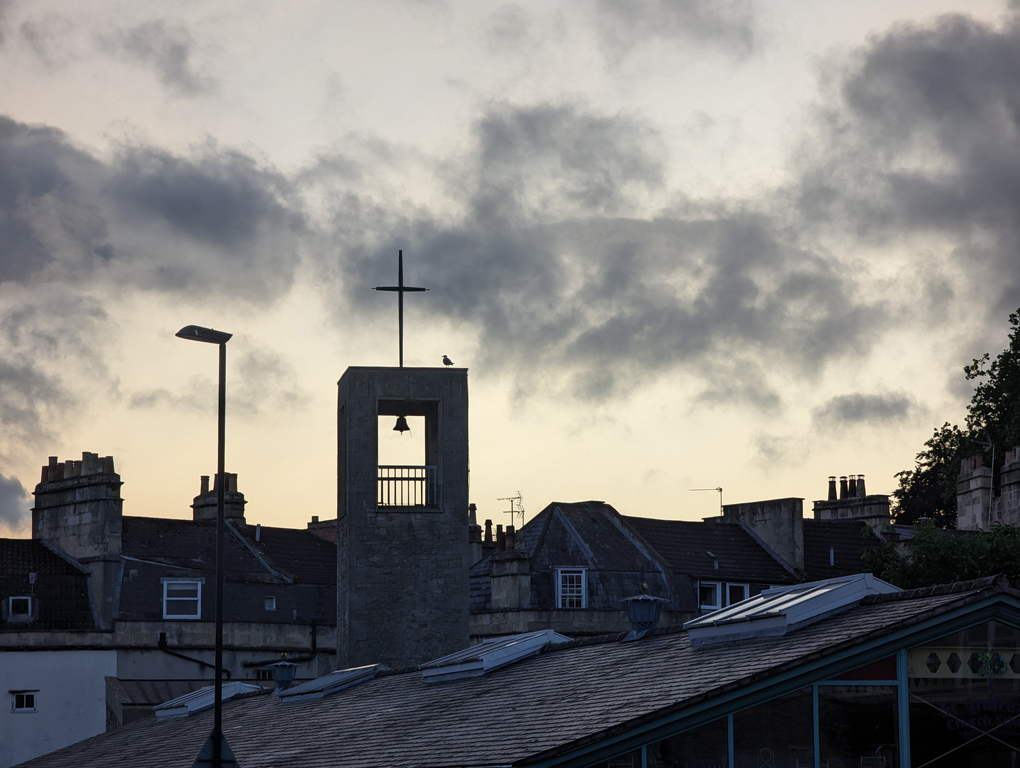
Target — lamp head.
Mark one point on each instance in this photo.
(198, 333)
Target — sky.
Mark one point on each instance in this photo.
(677, 245)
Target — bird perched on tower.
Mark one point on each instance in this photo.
(447, 361)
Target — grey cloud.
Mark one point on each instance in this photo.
(864, 409)
(213, 222)
(731, 25)
(921, 138)
(48, 38)
(771, 449)
(166, 48)
(508, 28)
(47, 344)
(14, 502)
(259, 382)
(601, 303)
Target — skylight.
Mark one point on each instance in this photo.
(331, 683)
(201, 699)
(780, 610)
(488, 655)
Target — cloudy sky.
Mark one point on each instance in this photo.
(677, 244)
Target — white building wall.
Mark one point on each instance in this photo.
(70, 700)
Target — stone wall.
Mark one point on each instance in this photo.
(402, 572)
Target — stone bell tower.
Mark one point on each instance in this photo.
(402, 532)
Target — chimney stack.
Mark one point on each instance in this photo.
(79, 510)
(204, 506)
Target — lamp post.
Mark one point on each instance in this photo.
(208, 335)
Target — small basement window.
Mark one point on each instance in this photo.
(20, 608)
(182, 599)
(270, 603)
(571, 588)
(23, 701)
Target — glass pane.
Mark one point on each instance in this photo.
(630, 760)
(965, 699)
(778, 733)
(737, 592)
(857, 726)
(182, 607)
(185, 590)
(709, 594)
(704, 747)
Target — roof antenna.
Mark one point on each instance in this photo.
(711, 489)
(516, 507)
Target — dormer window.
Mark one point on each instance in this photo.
(182, 598)
(571, 588)
(20, 609)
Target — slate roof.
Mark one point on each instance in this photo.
(294, 566)
(849, 539)
(685, 546)
(61, 587)
(571, 695)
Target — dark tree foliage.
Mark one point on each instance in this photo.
(994, 410)
(929, 489)
(993, 425)
(940, 557)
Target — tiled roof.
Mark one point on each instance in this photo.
(848, 539)
(685, 546)
(61, 587)
(572, 694)
(302, 555)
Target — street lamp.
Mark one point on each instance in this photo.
(208, 335)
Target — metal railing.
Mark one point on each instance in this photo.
(407, 486)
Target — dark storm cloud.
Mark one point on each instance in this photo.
(14, 502)
(858, 408)
(922, 138)
(550, 279)
(166, 48)
(44, 343)
(213, 222)
(729, 24)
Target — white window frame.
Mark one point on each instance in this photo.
(25, 618)
(560, 574)
(718, 585)
(24, 709)
(745, 587)
(167, 600)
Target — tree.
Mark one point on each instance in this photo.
(940, 557)
(993, 421)
(929, 489)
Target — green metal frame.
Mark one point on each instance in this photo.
(998, 607)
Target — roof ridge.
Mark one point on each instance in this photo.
(615, 637)
(998, 583)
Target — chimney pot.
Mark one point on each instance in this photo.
(860, 487)
(472, 514)
(853, 486)
(511, 538)
(204, 486)
(500, 539)
(832, 487)
(488, 531)
(315, 518)
(842, 487)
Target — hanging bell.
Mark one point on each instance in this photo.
(401, 425)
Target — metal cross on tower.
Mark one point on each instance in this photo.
(401, 289)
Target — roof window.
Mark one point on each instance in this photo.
(331, 683)
(780, 610)
(201, 699)
(488, 655)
